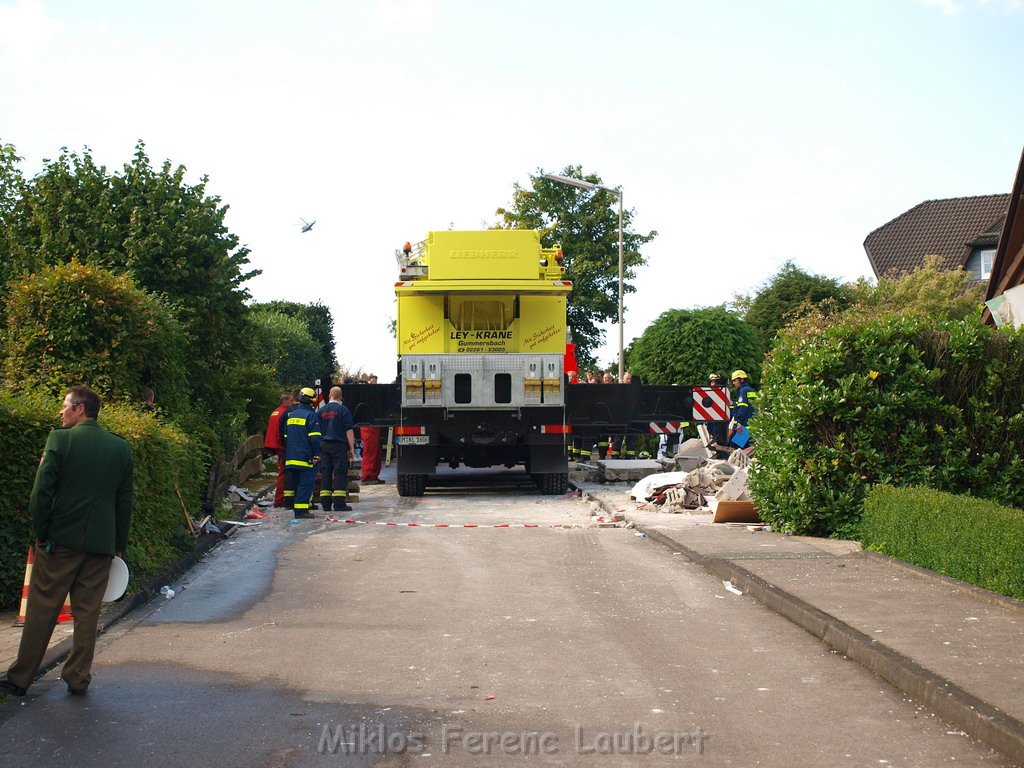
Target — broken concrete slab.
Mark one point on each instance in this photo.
(626, 470)
(691, 454)
(735, 489)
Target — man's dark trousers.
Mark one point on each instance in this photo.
(334, 473)
(54, 575)
(300, 480)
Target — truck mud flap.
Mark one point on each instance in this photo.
(547, 458)
(417, 459)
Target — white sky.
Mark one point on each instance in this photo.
(746, 132)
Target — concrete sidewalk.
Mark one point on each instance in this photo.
(957, 649)
(10, 637)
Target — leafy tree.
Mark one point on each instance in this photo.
(169, 235)
(319, 323)
(586, 224)
(286, 346)
(930, 291)
(791, 293)
(11, 187)
(683, 346)
(78, 322)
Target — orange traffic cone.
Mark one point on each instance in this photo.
(65, 611)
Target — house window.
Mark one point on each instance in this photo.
(979, 263)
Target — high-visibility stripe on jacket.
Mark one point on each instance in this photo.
(744, 408)
(301, 431)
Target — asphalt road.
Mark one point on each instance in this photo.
(326, 644)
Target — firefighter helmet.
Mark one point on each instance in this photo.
(714, 378)
(739, 375)
(307, 394)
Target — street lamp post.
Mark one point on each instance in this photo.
(618, 192)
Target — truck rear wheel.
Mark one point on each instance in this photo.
(411, 485)
(554, 483)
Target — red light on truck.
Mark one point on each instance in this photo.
(410, 430)
(556, 429)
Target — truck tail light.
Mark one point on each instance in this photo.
(556, 429)
(410, 430)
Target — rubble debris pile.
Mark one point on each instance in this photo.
(704, 481)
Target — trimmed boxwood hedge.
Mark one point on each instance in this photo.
(970, 539)
(165, 459)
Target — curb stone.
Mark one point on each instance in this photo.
(979, 719)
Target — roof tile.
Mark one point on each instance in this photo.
(947, 228)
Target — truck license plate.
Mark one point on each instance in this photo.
(413, 439)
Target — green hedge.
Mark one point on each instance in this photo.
(969, 539)
(898, 401)
(25, 421)
(165, 459)
(79, 322)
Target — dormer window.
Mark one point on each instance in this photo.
(979, 263)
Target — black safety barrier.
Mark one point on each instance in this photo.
(589, 408)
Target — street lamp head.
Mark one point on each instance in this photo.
(574, 182)
(618, 192)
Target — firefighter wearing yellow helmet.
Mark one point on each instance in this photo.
(743, 407)
(300, 429)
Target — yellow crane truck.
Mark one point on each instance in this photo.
(481, 342)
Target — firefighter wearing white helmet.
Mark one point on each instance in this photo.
(300, 429)
(742, 406)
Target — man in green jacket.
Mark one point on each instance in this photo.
(81, 508)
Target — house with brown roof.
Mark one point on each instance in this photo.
(1005, 295)
(962, 231)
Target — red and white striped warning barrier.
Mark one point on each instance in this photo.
(668, 428)
(710, 404)
(332, 519)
